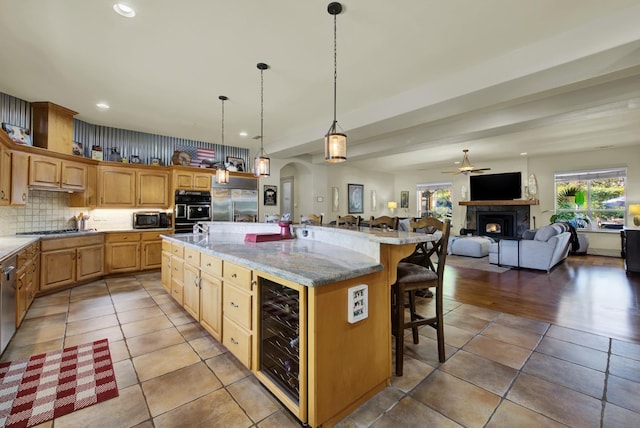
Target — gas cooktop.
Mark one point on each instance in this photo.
(50, 232)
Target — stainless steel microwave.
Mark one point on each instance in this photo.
(150, 220)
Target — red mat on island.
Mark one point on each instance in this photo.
(262, 237)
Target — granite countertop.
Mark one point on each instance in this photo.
(303, 261)
(10, 245)
(378, 235)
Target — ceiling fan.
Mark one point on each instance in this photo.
(466, 168)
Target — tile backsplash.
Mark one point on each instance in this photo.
(47, 210)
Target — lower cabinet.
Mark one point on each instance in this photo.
(26, 280)
(237, 311)
(133, 251)
(191, 289)
(210, 304)
(177, 272)
(64, 261)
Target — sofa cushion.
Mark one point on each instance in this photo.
(403, 224)
(410, 272)
(529, 234)
(546, 232)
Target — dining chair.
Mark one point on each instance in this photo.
(423, 269)
(311, 219)
(384, 222)
(271, 218)
(348, 220)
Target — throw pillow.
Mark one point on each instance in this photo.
(545, 232)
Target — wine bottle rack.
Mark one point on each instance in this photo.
(280, 330)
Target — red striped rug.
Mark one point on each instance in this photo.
(46, 386)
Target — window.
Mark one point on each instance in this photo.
(591, 199)
(434, 200)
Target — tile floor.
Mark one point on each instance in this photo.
(501, 370)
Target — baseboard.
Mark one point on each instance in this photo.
(603, 252)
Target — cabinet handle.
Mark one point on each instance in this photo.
(235, 342)
(24, 196)
(233, 275)
(254, 282)
(208, 264)
(196, 281)
(234, 305)
(1, 194)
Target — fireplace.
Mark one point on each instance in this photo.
(496, 224)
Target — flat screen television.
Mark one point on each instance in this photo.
(495, 187)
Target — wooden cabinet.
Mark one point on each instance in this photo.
(5, 175)
(153, 188)
(191, 290)
(211, 303)
(52, 127)
(237, 311)
(26, 280)
(191, 180)
(151, 255)
(165, 273)
(177, 272)
(128, 187)
(88, 197)
(133, 251)
(123, 252)
(19, 178)
(116, 187)
(64, 261)
(46, 172)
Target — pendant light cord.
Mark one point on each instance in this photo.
(222, 139)
(261, 112)
(335, 68)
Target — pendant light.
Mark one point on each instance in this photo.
(335, 143)
(262, 166)
(222, 173)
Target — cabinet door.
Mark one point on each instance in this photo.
(211, 305)
(90, 262)
(123, 256)
(177, 278)
(183, 180)
(165, 274)
(73, 176)
(201, 181)
(151, 255)
(44, 172)
(5, 175)
(191, 291)
(57, 268)
(19, 178)
(21, 294)
(117, 187)
(153, 189)
(88, 197)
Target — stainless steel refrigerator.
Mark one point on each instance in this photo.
(229, 203)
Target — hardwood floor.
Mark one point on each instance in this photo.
(588, 293)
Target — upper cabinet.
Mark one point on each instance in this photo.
(47, 172)
(191, 180)
(5, 176)
(52, 127)
(129, 187)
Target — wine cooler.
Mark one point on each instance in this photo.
(282, 352)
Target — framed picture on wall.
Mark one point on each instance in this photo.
(355, 196)
(404, 199)
(270, 195)
(235, 164)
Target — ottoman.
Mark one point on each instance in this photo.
(470, 246)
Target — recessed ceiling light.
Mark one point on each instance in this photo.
(456, 163)
(243, 133)
(124, 10)
(103, 106)
(524, 154)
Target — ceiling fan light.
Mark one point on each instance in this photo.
(335, 147)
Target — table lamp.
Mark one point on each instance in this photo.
(634, 210)
(392, 205)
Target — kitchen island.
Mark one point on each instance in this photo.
(309, 316)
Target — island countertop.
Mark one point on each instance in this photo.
(319, 256)
(306, 262)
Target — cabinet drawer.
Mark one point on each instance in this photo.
(63, 243)
(166, 246)
(236, 340)
(241, 276)
(151, 236)
(177, 250)
(123, 237)
(192, 256)
(177, 269)
(211, 264)
(177, 290)
(236, 304)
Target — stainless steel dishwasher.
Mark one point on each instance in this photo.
(7, 301)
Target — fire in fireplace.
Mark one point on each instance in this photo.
(496, 224)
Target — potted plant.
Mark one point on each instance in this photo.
(571, 195)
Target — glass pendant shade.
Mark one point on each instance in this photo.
(335, 147)
(262, 166)
(222, 175)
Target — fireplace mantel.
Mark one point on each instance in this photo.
(508, 202)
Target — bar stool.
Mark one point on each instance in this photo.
(348, 220)
(384, 222)
(420, 271)
(311, 219)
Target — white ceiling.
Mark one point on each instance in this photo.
(418, 80)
